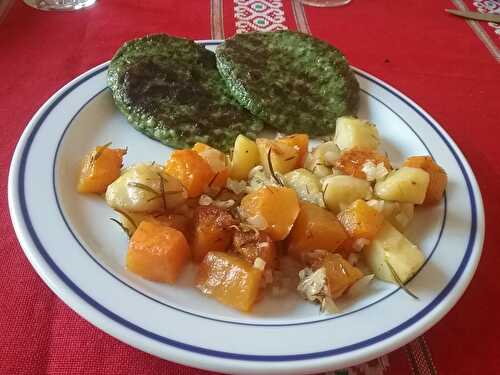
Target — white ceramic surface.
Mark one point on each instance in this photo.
(79, 253)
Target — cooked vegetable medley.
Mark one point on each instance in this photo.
(271, 214)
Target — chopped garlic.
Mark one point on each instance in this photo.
(374, 172)
(312, 284)
(255, 170)
(225, 204)
(359, 286)
(259, 263)
(205, 200)
(359, 243)
(235, 186)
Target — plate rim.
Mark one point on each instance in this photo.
(75, 302)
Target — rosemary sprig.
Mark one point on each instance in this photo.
(126, 216)
(271, 169)
(290, 158)
(398, 279)
(162, 188)
(98, 153)
(144, 187)
(127, 232)
(213, 179)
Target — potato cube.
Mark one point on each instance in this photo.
(229, 279)
(407, 184)
(438, 178)
(99, 168)
(306, 184)
(245, 157)
(139, 189)
(283, 157)
(392, 246)
(271, 209)
(157, 252)
(352, 132)
(315, 228)
(360, 220)
(212, 231)
(343, 190)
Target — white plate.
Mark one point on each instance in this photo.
(79, 253)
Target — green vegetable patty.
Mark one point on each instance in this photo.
(290, 80)
(169, 89)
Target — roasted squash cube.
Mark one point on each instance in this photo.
(157, 252)
(283, 157)
(191, 170)
(351, 162)
(360, 220)
(100, 168)
(300, 142)
(271, 209)
(315, 228)
(217, 161)
(438, 178)
(212, 231)
(340, 274)
(180, 222)
(229, 279)
(255, 244)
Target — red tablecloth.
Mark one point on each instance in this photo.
(447, 65)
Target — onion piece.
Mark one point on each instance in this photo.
(359, 286)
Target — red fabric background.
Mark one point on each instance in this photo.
(432, 57)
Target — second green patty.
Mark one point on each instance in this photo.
(290, 80)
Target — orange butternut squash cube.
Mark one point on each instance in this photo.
(212, 231)
(157, 252)
(180, 222)
(315, 228)
(229, 279)
(194, 173)
(438, 179)
(271, 209)
(360, 220)
(252, 245)
(283, 157)
(217, 161)
(340, 274)
(300, 142)
(351, 161)
(100, 168)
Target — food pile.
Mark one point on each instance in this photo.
(327, 218)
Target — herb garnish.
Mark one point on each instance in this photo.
(398, 280)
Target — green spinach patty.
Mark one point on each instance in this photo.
(169, 89)
(290, 80)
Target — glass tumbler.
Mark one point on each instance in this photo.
(60, 4)
(325, 3)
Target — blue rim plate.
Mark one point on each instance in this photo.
(70, 243)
